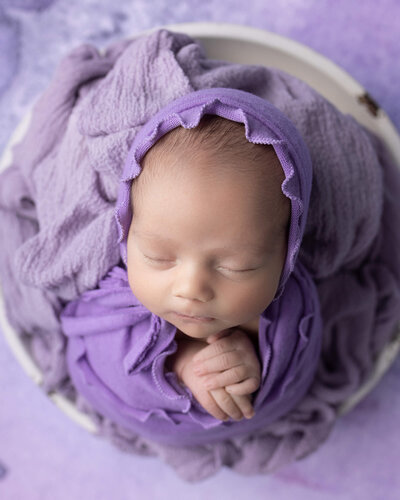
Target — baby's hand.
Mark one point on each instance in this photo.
(195, 384)
(229, 361)
(231, 371)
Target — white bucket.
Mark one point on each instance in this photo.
(245, 45)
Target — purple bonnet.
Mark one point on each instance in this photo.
(264, 124)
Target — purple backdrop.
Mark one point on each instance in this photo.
(43, 454)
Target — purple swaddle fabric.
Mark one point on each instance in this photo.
(60, 192)
(116, 351)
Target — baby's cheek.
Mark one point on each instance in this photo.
(143, 286)
(253, 300)
(137, 282)
(243, 308)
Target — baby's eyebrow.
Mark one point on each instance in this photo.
(256, 250)
(149, 234)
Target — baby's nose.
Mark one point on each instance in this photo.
(193, 283)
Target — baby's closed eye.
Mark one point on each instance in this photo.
(156, 259)
(237, 270)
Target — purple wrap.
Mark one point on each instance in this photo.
(117, 348)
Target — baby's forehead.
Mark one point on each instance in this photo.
(215, 150)
(255, 176)
(192, 186)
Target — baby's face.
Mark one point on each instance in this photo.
(201, 253)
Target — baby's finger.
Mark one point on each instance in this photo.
(248, 386)
(229, 377)
(225, 361)
(226, 403)
(244, 403)
(215, 349)
(211, 406)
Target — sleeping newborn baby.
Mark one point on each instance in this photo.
(209, 317)
(206, 250)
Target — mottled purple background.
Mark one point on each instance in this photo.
(43, 454)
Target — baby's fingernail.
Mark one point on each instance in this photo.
(238, 418)
(250, 414)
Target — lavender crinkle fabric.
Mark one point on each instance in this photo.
(61, 191)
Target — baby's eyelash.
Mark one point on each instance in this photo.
(154, 259)
(237, 270)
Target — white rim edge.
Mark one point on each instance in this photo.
(278, 42)
(71, 410)
(17, 135)
(384, 361)
(17, 346)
